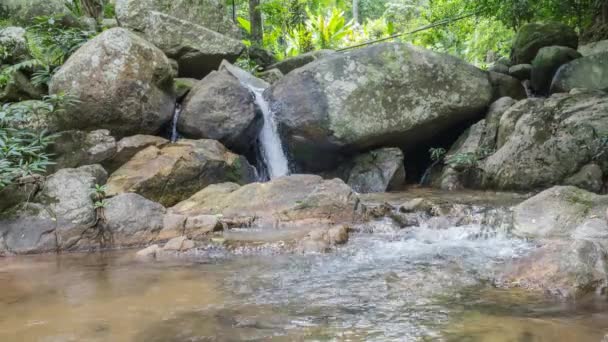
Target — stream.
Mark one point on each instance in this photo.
(386, 284)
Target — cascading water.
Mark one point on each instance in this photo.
(176, 112)
(270, 146)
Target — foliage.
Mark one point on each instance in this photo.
(437, 153)
(328, 31)
(22, 148)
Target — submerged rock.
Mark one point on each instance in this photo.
(534, 36)
(298, 200)
(123, 84)
(173, 173)
(219, 107)
(387, 94)
(589, 72)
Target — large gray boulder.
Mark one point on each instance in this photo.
(297, 200)
(504, 85)
(546, 63)
(127, 147)
(14, 43)
(589, 72)
(211, 14)
(197, 50)
(541, 142)
(123, 83)
(219, 107)
(534, 36)
(133, 220)
(593, 48)
(380, 170)
(387, 94)
(175, 172)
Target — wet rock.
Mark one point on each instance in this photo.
(271, 76)
(219, 107)
(521, 71)
(589, 72)
(417, 205)
(541, 142)
(201, 225)
(208, 13)
(569, 269)
(504, 85)
(183, 86)
(590, 178)
(173, 226)
(76, 148)
(19, 88)
(534, 36)
(147, 253)
(377, 171)
(370, 97)
(28, 228)
(197, 50)
(289, 64)
(546, 63)
(322, 240)
(128, 147)
(173, 173)
(13, 40)
(123, 84)
(557, 212)
(298, 200)
(179, 244)
(132, 220)
(593, 48)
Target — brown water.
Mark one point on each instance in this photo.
(386, 286)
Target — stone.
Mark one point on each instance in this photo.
(504, 85)
(219, 107)
(147, 253)
(291, 201)
(593, 48)
(175, 244)
(201, 225)
(261, 57)
(174, 225)
(208, 13)
(292, 63)
(123, 84)
(499, 68)
(534, 36)
(128, 147)
(182, 86)
(133, 220)
(590, 178)
(589, 72)
(19, 191)
(19, 88)
(77, 148)
(26, 229)
(521, 71)
(323, 239)
(370, 97)
(489, 136)
(541, 142)
(197, 50)
(271, 76)
(380, 170)
(175, 172)
(546, 63)
(14, 44)
(23, 11)
(557, 212)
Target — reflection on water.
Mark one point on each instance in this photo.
(391, 285)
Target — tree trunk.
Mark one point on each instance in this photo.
(255, 17)
(356, 11)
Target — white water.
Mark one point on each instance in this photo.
(271, 147)
(176, 112)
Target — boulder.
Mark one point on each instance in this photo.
(377, 171)
(77, 148)
(381, 95)
(219, 107)
(261, 57)
(541, 142)
(593, 48)
(175, 172)
(20, 190)
(590, 177)
(488, 140)
(208, 13)
(521, 71)
(271, 76)
(127, 147)
(14, 45)
(123, 84)
(546, 63)
(182, 86)
(559, 212)
(19, 88)
(132, 220)
(197, 50)
(505, 85)
(291, 201)
(26, 229)
(534, 36)
(23, 11)
(290, 64)
(322, 240)
(589, 72)
(499, 68)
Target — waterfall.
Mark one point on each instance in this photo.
(270, 146)
(176, 112)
